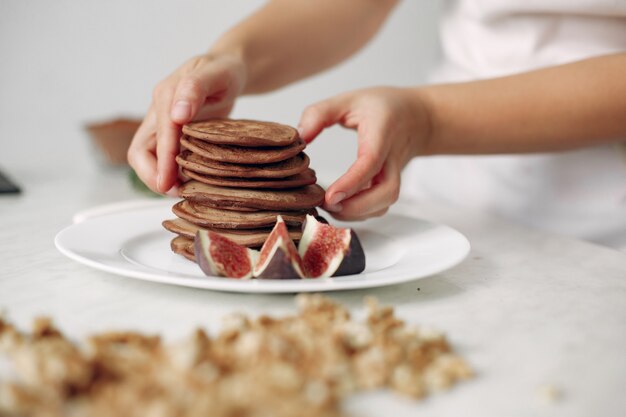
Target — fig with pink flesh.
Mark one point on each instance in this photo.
(279, 257)
(218, 255)
(328, 251)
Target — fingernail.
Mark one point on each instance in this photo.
(300, 130)
(335, 208)
(336, 198)
(181, 110)
(172, 192)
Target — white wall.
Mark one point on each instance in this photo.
(66, 62)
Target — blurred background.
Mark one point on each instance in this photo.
(68, 63)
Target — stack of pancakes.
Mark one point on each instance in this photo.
(242, 175)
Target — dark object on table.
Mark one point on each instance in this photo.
(7, 186)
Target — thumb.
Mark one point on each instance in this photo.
(319, 116)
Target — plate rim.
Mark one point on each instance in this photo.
(256, 286)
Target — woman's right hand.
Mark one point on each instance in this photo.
(204, 87)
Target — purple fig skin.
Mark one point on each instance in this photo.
(202, 256)
(348, 261)
(353, 259)
(280, 266)
(320, 219)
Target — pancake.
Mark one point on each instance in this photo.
(182, 245)
(188, 229)
(235, 209)
(304, 178)
(282, 169)
(240, 155)
(242, 132)
(226, 219)
(302, 198)
(242, 175)
(249, 238)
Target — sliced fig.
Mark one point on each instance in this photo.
(279, 257)
(218, 255)
(328, 251)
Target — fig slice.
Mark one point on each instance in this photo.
(218, 255)
(279, 257)
(328, 251)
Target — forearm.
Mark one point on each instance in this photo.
(288, 40)
(557, 108)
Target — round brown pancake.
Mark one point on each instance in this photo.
(304, 178)
(240, 155)
(286, 168)
(235, 209)
(242, 132)
(301, 198)
(202, 215)
(251, 238)
(182, 245)
(188, 229)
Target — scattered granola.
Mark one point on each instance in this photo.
(550, 394)
(300, 365)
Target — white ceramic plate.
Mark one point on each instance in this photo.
(129, 240)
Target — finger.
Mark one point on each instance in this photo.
(205, 86)
(383, 193)
(319, 116)
(144, 163)
(358, 177)
(167, 140)
(342, 217)
(174, 191)
(216, 110)
(142, 152)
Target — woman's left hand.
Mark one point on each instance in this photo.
(393, 126)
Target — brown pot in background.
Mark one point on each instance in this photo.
(112, 138)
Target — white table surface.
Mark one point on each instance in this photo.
(526, 309)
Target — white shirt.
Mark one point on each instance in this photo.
(580, 193)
